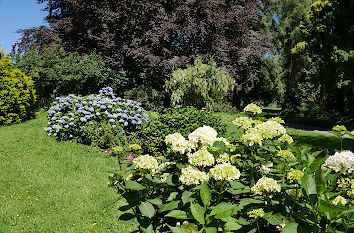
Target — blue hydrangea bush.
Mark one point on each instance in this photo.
(70, 116)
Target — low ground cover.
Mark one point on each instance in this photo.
(50, 186)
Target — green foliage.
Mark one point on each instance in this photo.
(148, 96)
(200, 85)
(17, 93)
(171, 120)
(213, 186)
(57, 72)
(103, 135)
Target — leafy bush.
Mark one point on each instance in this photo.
(200, 85)
(17, 93)
(94, 119)
(57, 72)
(262, 182)
(148, 96)
(182, 120)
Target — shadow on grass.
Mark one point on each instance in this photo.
(317, 141)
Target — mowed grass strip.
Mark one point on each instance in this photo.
(50, 186)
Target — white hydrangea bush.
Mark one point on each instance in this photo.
(259, 181)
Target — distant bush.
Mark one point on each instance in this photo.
(181, 120)
(94, 119)
(17, 93)
(150, 98)
(200, 85)
(57, 72)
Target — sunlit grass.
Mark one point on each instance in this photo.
(50, 186)
(317, 141)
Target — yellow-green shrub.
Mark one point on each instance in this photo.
(17, 94)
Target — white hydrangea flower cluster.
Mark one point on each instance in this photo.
(341, 162)
(338, 199)
(146, 162)
(295, 176)
(255, 213)
(191, 176)
(243, 122)
(286, 138)
(265, 168)
(266, 185)
(270, 129)
(224, 171)
(266, 130)
(179, 143)
(201, 158)
(252, 138)
(277, 119)
(253, 108)
(202, 135)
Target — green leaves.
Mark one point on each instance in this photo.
(169, 206)
(205, 194)
(133, 185)
(178, 230)
(222, 210)
(198, 212)
(146, 209)
(290, 228)
(178, 214)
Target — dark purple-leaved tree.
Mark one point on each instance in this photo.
(151, 37)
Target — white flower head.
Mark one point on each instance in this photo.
(191, 176)
(202, 157)
(266, 185)
(253, 108)
(224, 171)
(146, 162)
(205, 134)
(341, 162)
(338, 199)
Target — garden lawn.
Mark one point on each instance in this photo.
(317, 141)
(50, 186)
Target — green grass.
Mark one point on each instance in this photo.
(50, 186)
(317, 141)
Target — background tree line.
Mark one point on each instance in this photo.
(298, 53)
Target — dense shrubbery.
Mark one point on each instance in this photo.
(57, 72)
(206, 184)
(17, 93)
(94, 119)
(182, 120)
(200, 85)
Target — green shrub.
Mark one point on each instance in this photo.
(57, 72)
(205, 184)
(200, 85)
(150, 98)
(182, 120)
(17, 93)
(103, 135)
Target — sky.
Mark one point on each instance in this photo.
(18, 14)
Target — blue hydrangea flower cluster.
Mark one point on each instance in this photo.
(69, 115)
